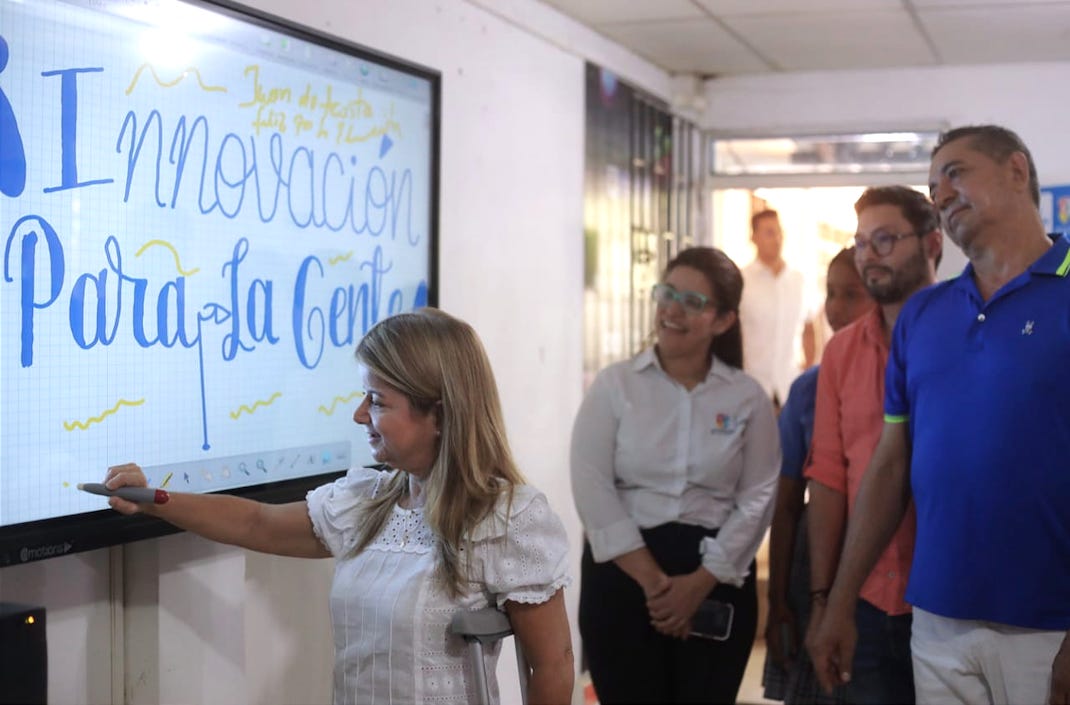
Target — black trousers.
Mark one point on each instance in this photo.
(629, 661)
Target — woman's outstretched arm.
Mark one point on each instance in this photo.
(280, 529)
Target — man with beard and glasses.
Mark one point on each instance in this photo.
(977, 435)
(897, 248)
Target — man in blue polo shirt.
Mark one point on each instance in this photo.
(977, 431)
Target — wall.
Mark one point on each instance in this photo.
(181, 620)
(1028, 98)
(1025, 97)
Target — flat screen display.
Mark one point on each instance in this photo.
(202, 210)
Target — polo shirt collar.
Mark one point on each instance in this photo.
(1055, 262)
(647, 358)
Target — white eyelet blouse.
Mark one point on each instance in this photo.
(390, 615)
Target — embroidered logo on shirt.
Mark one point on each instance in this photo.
(1028, 328)
(723, 423)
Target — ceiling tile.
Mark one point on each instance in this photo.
(836, 40)
(693, 46)
(730, 8)
(682, 36)
(602, 11)
(999, 35)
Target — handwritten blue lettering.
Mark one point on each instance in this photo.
(68, 106)
(308, 326)
(380, 204)
(180, 163)
(12, 152)
(27, 276)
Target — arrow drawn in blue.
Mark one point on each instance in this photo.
(215, 313)
(385, 146)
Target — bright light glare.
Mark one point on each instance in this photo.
(879, 137)
(175, 16)
(171, 29)
(168, 49)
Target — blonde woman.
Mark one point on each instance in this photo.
(449, 525)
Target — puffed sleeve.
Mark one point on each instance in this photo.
(334, 508)
(524, 549)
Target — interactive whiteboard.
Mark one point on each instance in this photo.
(202, 211)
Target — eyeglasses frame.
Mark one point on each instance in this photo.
(871, 243)
(678, 296)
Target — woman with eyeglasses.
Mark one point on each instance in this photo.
(674, 462)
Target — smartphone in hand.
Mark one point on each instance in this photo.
(713, 620)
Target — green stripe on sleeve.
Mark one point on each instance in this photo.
(894, 418)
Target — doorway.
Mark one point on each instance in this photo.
(818, 222)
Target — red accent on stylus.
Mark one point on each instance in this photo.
(161, 497)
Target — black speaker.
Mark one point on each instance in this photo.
(23, 655)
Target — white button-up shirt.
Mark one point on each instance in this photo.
(772, 314)
(646, 451)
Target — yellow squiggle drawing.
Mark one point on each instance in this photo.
(169, 84)
(174, 253)
(270, 400)
(339, 258)
(83, 425)
(338, 400)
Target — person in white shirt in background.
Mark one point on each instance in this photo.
(778, 336)
(445, 523)
(675, 456)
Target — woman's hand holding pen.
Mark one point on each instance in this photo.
(671, 610)
(127, 475)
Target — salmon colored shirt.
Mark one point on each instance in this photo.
(849, 417)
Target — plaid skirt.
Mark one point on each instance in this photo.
(798, 684)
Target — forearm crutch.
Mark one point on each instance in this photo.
(481, 628)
